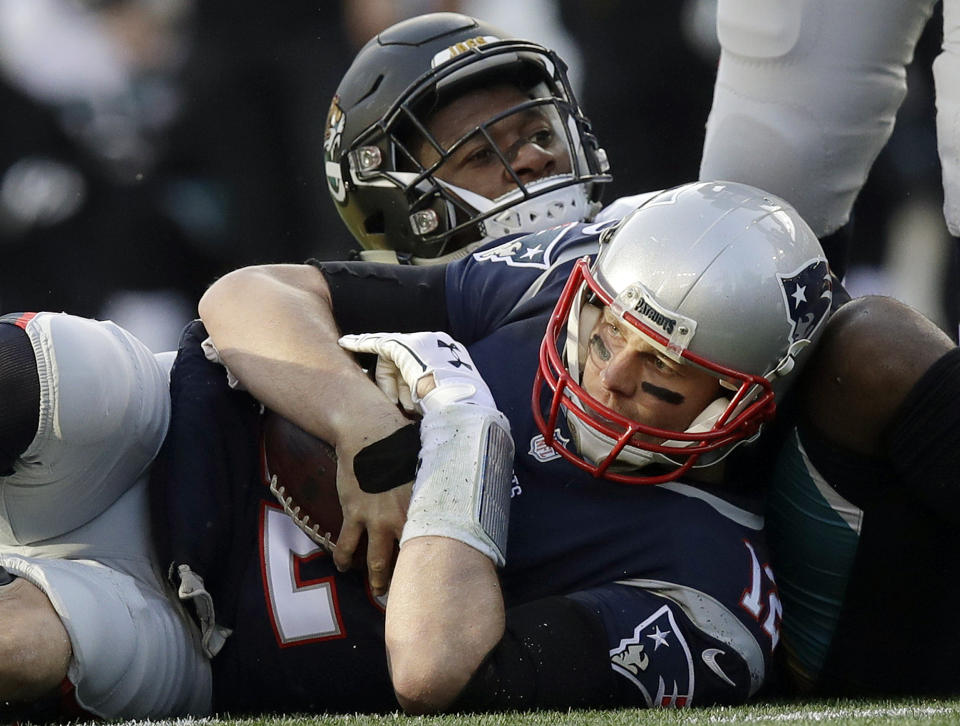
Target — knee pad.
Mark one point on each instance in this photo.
(104, 410)
(134, 653)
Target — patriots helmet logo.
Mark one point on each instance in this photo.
(807, 293)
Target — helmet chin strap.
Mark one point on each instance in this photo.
(595, 446)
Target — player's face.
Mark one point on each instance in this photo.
(625, 373)
(531, 140)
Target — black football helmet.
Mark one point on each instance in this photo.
(380, 117)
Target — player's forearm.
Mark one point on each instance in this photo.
(445, 613)
(275, 330)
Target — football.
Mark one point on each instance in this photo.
(301, 471)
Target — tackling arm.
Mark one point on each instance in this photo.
(274, 329)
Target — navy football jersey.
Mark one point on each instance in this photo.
(676, 573)
(573, 533)
(305, 637)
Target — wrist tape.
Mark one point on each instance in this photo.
(389, 462)
(462, 489)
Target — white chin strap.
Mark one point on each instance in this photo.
(549, 209)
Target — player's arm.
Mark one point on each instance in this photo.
(445, 609)
(275, 329)
(616, 645)
(453, 648)
(444, 614)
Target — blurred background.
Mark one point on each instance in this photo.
(149, 146)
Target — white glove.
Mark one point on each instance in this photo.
(405, 358)
(462, 489)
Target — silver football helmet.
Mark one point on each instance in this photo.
(717, 275)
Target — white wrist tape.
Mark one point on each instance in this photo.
(462, 490)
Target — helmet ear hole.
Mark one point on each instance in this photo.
(373, 89)
(374, 224)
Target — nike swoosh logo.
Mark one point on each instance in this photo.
(710, 658)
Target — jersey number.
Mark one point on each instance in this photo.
(302, 611)
(763, 588)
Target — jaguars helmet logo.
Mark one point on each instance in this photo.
(331, 150)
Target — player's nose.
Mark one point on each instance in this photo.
(621, 375)
(532, 161)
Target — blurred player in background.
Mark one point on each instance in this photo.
(807, 95)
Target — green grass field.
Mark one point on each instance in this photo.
(855, 713)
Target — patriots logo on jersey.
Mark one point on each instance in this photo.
(807, 294)
(656, 647)
(532, 250)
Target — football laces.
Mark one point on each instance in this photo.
(303, 522)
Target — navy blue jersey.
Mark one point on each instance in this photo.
(571, 532)
(304, 636)
(676, 574)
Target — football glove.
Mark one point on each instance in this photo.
(462, 488)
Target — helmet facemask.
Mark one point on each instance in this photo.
(609, 444)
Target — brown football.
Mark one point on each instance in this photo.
(302, 473)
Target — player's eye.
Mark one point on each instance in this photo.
(664, 366)
(599, 348)
(543, 138)
(481, 155)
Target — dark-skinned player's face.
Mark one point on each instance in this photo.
(531, 140)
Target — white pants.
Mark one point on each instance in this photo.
(807, 92)
(75, 522)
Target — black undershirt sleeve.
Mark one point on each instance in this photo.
(20, 394)
(371, 297)
(375, 297)
(553, 655)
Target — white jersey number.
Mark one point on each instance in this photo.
(301, 610)
(752, 600)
